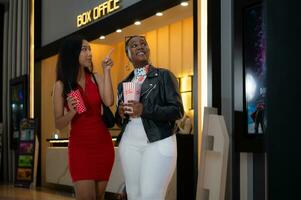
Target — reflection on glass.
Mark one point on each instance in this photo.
(255, 69)
(250, 87)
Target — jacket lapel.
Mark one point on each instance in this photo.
(148, 82)
(146, 85)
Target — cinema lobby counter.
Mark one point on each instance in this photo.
(57, 164)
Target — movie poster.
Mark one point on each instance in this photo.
(26, 153)
(26, 148)
(25, 161)
(24, 174)
(254, 48)
(17, 108)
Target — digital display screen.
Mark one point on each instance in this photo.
(18, 106)
(254, 56)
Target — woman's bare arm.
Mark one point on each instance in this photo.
(62, 120)
(105, 88)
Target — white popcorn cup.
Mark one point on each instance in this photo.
(131, 92)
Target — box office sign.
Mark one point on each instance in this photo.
(81, 14)
(97, 12)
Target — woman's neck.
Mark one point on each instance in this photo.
(81, 73)
(140, 65)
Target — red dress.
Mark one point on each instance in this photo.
(90, 151)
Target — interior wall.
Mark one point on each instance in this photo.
(171, 48)
(1, 56)
(47, 118)
(15, 63)
(283, 30)
(227, 100)
(1, 84)
(248, 159)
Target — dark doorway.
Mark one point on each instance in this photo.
(1, 53)
(1, 84)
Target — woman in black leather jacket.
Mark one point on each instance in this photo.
(148, 148)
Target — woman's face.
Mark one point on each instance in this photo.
(85, 56)
(138, 50)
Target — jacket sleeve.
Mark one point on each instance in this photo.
(173, 107)
(118, 119)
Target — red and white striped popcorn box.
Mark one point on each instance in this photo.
(131, 91)
(80, 106)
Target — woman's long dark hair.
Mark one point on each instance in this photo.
(67, 67)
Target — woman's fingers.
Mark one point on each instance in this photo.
(70, 98)
(121, 111)
(72, 102)
(108, 62)
(134, 108)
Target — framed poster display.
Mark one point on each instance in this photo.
(18, 106)
(25, 157)
(249, 76)
(254, 65)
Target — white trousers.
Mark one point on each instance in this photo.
(147, 167)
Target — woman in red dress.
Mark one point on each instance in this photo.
(90, 149)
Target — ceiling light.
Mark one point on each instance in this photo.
(102, 37)
(184, 3)
(159, 14)
(137, 23)
(118, 30)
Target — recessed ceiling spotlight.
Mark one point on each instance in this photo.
(159, 14)
(118, 30)
(137, 23)
(184, 3)
(102, 37)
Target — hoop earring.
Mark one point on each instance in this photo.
(129, 54)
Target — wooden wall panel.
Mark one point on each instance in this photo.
(163, 47)
(175, 58)
(99, 52)
(47, 118)
(187, 48)
(151, 38)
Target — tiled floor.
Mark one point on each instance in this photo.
(9, 192)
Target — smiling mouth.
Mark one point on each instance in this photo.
(140, 53)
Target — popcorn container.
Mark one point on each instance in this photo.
(80, 106)
(131, 92)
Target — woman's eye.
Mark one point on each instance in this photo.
(86, 49)
(134, 45)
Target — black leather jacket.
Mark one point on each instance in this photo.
(162, 104)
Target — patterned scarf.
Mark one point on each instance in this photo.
(140, 74)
